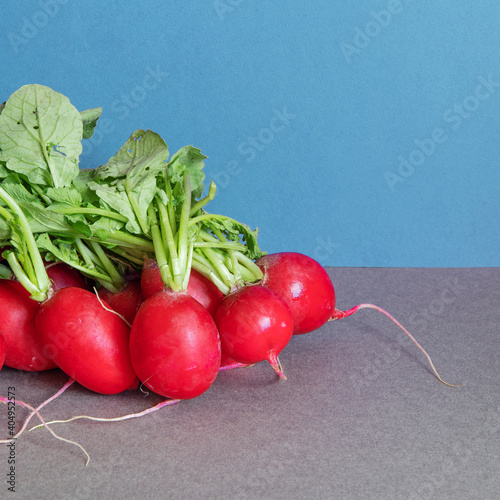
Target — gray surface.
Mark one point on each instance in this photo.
(360, 416)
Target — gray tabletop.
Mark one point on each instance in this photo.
(360, 417)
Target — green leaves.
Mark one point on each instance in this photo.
(127, 182)
(188, 159)
(105, 220)
(89, 121)
(40, 136)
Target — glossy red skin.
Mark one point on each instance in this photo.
(226, 360)
(89, 343)
(3, 349)
(126, 302)
(199, 287)
(254, 324)
(303, 284)
(175, 346)
(25, 348)
(61, 275)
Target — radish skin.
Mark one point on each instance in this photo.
(255, 325)
(89, 343)
(175, 346)
(25, 348)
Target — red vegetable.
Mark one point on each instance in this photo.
(199, 287)
(3, 349)
(88, 342)
(303, 284)
(126, 302)
(175, 346)
(61, 276)
(25, 348)
(255, 325)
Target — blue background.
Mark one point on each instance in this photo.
(360, 133)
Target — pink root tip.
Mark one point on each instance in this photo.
(275, 363)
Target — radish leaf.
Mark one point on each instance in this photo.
(40, 136)
(89, 120)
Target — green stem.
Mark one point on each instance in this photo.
(234, 261)
(128, 240)
(5, 272)
(116, 277)
(4, 213)
(42, 279)
(23, 277)
(182, 239)
(219, 265)
(170, 206)
(230, 245)
(246, 275)
(135, 208)
(41, 194)
(159, 249)
(200, 265)
(189, 264)
(250, 265)
(130, 256)
(201, 203)
(169, 243)
(91, 211)
(89, 258)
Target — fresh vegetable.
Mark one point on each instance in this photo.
(3, 349)
(180, 293)
(175, 346)
(255, 325)
(174, 343)
(126, 301)
(88, 342)
(25, 348)
(199, 287)
(303, 284)
(61, 275)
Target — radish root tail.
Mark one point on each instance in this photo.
(337, 314)
(277, 366)
(167, 402)
(36, 411)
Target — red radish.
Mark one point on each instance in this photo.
(88, 342)
(3, 349)
(25, 348)
(204, 291)
(151, 281)
(126, 302)
(255, 325)
(199, 287)
(303, 284)
(61, 275)
(174, 345)
(307, 289)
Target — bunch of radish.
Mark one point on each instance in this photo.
(120, 277)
